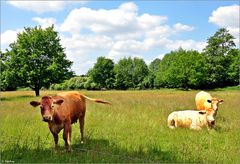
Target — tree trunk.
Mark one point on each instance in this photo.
(37, 91)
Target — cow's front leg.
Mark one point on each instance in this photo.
(67, 136)
(55, 136)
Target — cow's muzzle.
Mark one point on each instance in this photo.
(211, 123)
(47, 118)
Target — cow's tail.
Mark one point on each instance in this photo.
(97, 100)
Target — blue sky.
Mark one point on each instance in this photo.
(117, 29)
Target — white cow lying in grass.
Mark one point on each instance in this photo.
(191, 119)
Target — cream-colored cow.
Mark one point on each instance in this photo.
(205, 102)
(191, 119)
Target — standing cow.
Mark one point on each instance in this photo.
(191, 119)
(62, 110)
(205, 102)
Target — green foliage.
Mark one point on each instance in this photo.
(153, 70)
(37, 59)
(233, 70)
(181, 69)
(130, 73)
(102, 73)
(218, 46)
(74, 83)
(123, 70)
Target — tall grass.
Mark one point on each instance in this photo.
(133, 129)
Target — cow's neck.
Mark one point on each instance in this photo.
(56, 117)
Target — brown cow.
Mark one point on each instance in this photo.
(62, 110)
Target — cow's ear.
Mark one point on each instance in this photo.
(202, 112)
(209, 101)
(59, 102)
(35, 103)
(220, 101)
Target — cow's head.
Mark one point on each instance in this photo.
(210, 118)
(214, 103)
(47, 106)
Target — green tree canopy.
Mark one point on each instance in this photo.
(216, 52)
(103, 73)
(233, 70)
(153, 70)
(182, 69)
(37, 59)
(130, 73)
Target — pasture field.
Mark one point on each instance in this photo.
(133, 129)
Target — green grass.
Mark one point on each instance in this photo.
(133, 129)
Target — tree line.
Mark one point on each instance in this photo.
(37, 60)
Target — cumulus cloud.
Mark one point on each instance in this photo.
(120, 32)
(42, 6)
(125, 48)
(120, 23)
(181, 27)
(227, 17)
(45, 22)
(116, 33)
(8, 37)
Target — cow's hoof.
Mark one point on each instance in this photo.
(68, 149)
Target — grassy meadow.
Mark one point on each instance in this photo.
(133, 129)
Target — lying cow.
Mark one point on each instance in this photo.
(205, 102)
(62, 110)
(191, 119)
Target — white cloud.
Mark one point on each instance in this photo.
(116, 33)
(227, 17)
(181, 27)
(87, 43)
(45, 22)
(8, 37)
(127, 48)
(119, 32)
(84, 49)
(42, 6)
(129, 7)
(121, 23)
(185, 44)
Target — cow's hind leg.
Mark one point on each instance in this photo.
(81, 122)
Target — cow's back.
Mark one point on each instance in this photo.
(187, 119)
(74, 105)
(201, 100)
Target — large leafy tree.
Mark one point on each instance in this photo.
(130, 73)
(37, 59)
(233, 70)
(103, 73)
(123, 74)
(140, 71)
(153, 70)
(218, 46)
(182, 69)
